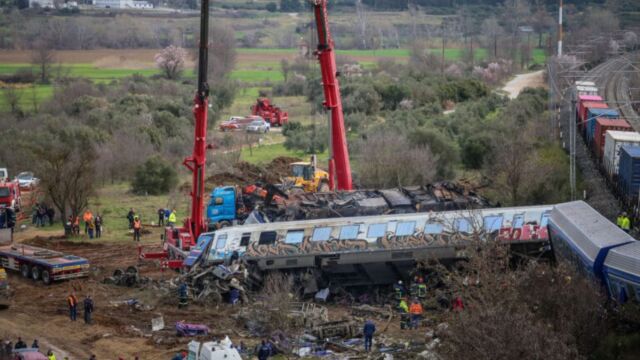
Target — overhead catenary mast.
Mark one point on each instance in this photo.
(560, 30)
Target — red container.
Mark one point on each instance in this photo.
(584, 105)
(604, 124)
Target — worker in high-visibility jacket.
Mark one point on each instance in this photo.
(415, 310)
(422, 288)
(625, 224)
(403, 308)
(171, 221)
(137, 228)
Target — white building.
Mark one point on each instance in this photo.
(42, 3)
(122, 4)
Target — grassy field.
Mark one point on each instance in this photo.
(265, 153)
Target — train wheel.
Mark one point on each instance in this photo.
(46, 277)
(24, 269)
(224, 223)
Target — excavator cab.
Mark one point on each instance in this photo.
(309, 177)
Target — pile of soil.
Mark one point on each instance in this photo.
(246, 173)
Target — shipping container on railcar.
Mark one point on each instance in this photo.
(613, 140)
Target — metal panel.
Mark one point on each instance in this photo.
(589, 231)
(625, 258)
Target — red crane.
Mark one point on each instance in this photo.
(339, 167)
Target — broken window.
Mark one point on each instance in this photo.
(405, 228)
(267, 238)
(244, 241)
(492, 223)
(222, 242)
(433, 228)
(376, 230)
(321, 234)
(518, 221)
(349, 232)
(294, 237)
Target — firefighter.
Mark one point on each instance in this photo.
(399, 290)
(403, 308)
(183, 300)
(422, 288)
(137, 227)
(413, 289)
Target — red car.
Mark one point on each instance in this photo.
(237, 123)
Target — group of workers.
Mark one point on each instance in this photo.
(165, 216)
(92, 224)
(624, 222)
(41, 214)
(8, 349)
(72, 303)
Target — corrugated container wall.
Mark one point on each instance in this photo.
(593, 115)
(604, 124)
(582, 110)
(629, 171)
(613, 140)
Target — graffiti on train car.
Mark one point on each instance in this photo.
(529, 232)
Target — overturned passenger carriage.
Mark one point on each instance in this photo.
(370, 250)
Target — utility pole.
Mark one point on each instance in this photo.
(572, 145)
(560, 30)
(443, 45)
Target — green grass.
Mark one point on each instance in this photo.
(41, 93)
(257, 75)
(266, 153)
(81, 70)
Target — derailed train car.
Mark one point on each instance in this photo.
(371, 250)
(601, 250)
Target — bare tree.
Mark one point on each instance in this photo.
(12, 97)
(513, 163)
(388, 159)
(284, 67)
(492, 31)
(222, 52)
(171, 61)
(43, 57)
(361, 23)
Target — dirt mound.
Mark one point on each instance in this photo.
(279, 167)
(59, 240)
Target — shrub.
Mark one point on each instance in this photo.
(154, 177)
(272, 7)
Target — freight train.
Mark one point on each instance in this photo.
(614, 144)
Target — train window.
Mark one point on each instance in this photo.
(321, 234)
(222, 241)
(492, 223)
(349, 232)
(463, 225)
(294, 237)
(267, 238)
(244, 241)
(544, 221)
(433, 228)
(376, 230)
(405, 228)
(631, 292)
(518, 221)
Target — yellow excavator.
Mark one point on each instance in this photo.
(308, 176)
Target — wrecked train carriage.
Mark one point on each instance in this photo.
(442, 196)
(371, 250)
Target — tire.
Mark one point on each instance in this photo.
(46, 277)
(224, 223)
(25, 270)
(35, 273)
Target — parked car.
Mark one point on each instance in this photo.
(27, 180)
(236, 123)
(259, 126)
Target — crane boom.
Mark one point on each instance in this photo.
(339, 167)
(195, 223)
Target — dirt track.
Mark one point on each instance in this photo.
(522, 81)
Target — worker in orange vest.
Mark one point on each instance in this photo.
(416, 313)
(72, 301)
(137, 226)
(88, 218)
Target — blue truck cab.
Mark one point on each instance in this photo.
(222, 206)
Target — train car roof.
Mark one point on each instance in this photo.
(589, 231)
(444, 215)
(625, 258)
